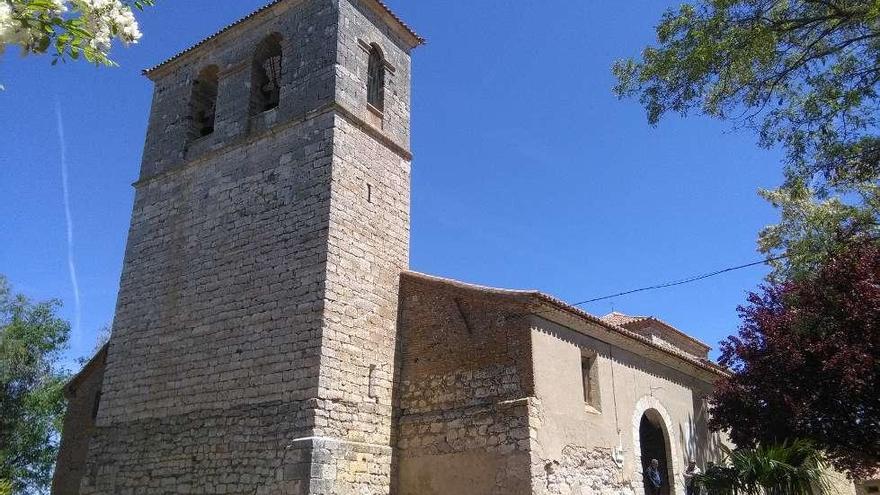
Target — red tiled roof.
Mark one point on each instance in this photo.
(401, 22)
(380, 3)
(621, 319)
(617, 318)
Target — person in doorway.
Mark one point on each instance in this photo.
(690, 478)
(653, 479)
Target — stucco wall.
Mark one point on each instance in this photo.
(574, 447)
(839, 484)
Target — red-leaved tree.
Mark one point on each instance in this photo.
(805, 364)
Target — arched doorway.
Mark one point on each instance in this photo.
(654, 444)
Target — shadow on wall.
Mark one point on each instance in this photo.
(699, 443)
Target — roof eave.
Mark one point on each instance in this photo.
(681, 356)
(538, 298)
(681, 333)
(79, 376)
(403, 29)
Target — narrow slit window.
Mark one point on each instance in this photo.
(203, 102)
(96, 405)
(266, 75)
(371, 392)
(376, 79)
(589, 374)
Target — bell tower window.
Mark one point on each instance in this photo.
(266, 75)
(203, 102)
(376, 79)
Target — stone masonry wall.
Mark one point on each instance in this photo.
(464, 379)
(309, 44)
(213, 364)
(578, 470)
(83, 395)
(368, 247)
(254, 339)
(361, 27)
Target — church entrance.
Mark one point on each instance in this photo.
(654, 445)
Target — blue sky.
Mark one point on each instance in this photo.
(528, 172)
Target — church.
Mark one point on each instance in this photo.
(270, 338)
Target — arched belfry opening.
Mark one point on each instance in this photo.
(266, 75)
(203, 102)
(654, 444)
(376, 78)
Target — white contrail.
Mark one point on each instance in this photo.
(64, 184)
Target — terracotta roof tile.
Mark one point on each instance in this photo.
(621, 319)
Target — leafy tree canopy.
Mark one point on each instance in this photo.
(69, 28)
(805, 364)
(804, 75)
(32, 338)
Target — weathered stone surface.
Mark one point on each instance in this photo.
(269, 340)
(83, 394)
(253, 344)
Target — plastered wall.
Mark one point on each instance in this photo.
(580, 448)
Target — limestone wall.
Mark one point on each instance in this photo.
(214, 356)
(368, 248)
(360, 28)
(463, 389)
(253, 345)
(308, 29)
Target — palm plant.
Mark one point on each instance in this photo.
(792, 468)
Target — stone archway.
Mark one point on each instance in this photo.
(654, 444)
(652, 440)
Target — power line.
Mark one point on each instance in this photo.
(688, 280)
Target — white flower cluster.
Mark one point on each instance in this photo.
(105, 19)
(10, 30)
(7, 25)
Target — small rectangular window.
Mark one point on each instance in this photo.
(372, 383)
(96, 405)
(590, 378)
(586, 365)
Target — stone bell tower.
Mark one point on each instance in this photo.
(253, 343)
